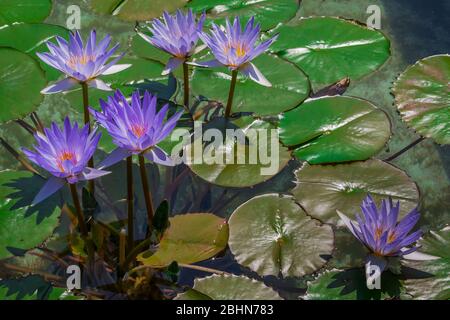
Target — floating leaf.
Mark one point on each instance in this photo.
(330, 49)
(335, 129)
(23, 227)
(290, 86)
(268, 13)
(132, 10)
(422, 96)
(21, 80)
(31, 38)
(245, 167)
(323, 189)
(190, 238)
(229, 287)
(28, 288)
(143, 49)
(435, 283)
(272, 235)
(24, 11)
(351, 285)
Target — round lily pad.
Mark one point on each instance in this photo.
(422, 96)
(24, 11)
(23, 227)
(290, 86)
(351, 285)
(433, 279)
(323, 189)
(190, 238)
(335, 129)
(31, 38)
(329, 49)
(230, 287)
(272, 235)
(238, 163)
(21, 80)
(268, 13)
(136, 10)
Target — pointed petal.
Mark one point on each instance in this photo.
(115, 156)
(116, 68)
(171, 65)
(63, 85)
(253, 73)
(419, 256)
(91, 173)
(52, 185)
(158, 156)
(206, 64)
(99, 84)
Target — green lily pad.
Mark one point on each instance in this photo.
(268, 13)
(24, 11)
(229, 287)
(240, 164)
(23, 227)
(143, 49)
(289, 88)
(329, 49)
(335, 129)
(272, 235)
(422, 96)
(136, 10)
(351, 285)
(435, 284)
(31, 287)
(190, 238)
(323, 189)
(21, 80)
(31, 38)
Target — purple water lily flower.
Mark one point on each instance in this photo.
(236, 48)
(177, 35)
(81, 62)
(380, 231)
(136, 127)
(64, 154)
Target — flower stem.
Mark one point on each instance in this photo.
(130, 200)
(409, 146)
(81, 223)
(231, 93)
(147, 193)
(186, 85)
(87, 120)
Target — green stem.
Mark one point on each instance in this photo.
(147, 193)
(234, 74)
(136, 250)
(186, 85)
(130, 200)
(87, 120)
(409, 146)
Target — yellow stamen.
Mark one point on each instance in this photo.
(138, 130)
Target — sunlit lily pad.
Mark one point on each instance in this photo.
(335, 129)
(31, 38)
(23, 227)
(252, 165)
(435, 283)
(329, 49)
(267, 12)
(190, 238)
(290, 86)
(136, 10)
(323, 189)
(422, 96)
(351, 285)
(229, 287)
(143, 49)
(272, 235)
(21, 80)
(24, 11)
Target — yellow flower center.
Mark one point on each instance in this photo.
(138, 130)
(74, 60)
(66, 155)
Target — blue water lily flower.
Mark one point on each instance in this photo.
(81, 62)
(64, 154)
(236, 48)
(177, 35)
(136, 127)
